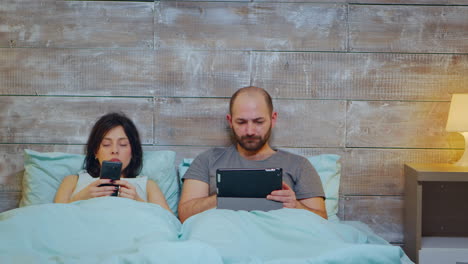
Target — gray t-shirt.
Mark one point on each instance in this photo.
(298, 173)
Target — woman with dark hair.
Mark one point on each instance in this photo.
(114, 137)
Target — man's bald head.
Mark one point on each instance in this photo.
(253, 90)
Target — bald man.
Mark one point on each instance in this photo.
(251, 118)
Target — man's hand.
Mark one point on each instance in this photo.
(287, 196)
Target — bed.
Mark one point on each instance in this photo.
(119, 230)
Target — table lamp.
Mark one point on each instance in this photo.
(458, 122)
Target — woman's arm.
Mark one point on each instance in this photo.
(66, 189)
(155, 195)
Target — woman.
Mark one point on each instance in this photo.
(114, 137)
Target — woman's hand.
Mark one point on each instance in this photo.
(93, 190)
(127, 190)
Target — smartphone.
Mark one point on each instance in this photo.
(111, 170)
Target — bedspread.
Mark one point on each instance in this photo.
(287, 236)
(101, 230)
(118, 230)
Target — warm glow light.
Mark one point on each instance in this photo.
(458, 122)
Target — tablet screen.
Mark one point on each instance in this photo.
(254, 183)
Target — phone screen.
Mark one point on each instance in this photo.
(111, 170)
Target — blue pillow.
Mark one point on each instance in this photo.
(328, 168)
(44, 171)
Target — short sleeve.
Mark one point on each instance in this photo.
(199, 169)
(308, 183)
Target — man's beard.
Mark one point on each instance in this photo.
(254, 143)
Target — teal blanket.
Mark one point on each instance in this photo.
(117, 230)
(287, 236)
(101, 230)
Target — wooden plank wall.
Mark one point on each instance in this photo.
(368, 80)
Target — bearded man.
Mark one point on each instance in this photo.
(251, 118)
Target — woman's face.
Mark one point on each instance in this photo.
(115, 146)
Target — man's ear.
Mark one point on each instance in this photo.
(229, 119)
(274, 117)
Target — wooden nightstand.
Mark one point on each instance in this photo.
(436, 213)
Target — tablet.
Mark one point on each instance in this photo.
(246, 189)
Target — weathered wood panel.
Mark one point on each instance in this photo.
(11, 167)
(399, 125)
(181, 72)
(406, 2)
(408, 28)
(409, 2)
(420, 2)
(363, 76)
(122, 72)
(11, 176)
(191, 121)
(250, 26)
(380, 171)
(76, 24)
(32, 119)
(9, 200)
(194, 121)
(210, 1)
(306, 152)
(208, 74)
(50, 71)
(383, 214)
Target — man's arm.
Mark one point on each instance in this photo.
(195, 199)
(288, 197)
(314, 204)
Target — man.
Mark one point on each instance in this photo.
(251, 118)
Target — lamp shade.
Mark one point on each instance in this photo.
(458, 114)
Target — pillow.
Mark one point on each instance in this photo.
(44, 171)
(328, 168)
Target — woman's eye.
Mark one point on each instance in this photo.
(123, 145)
(105, 145)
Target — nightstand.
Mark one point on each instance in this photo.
(436, 213)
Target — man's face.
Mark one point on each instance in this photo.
(251, 121)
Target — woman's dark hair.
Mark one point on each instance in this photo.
(99, 130)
